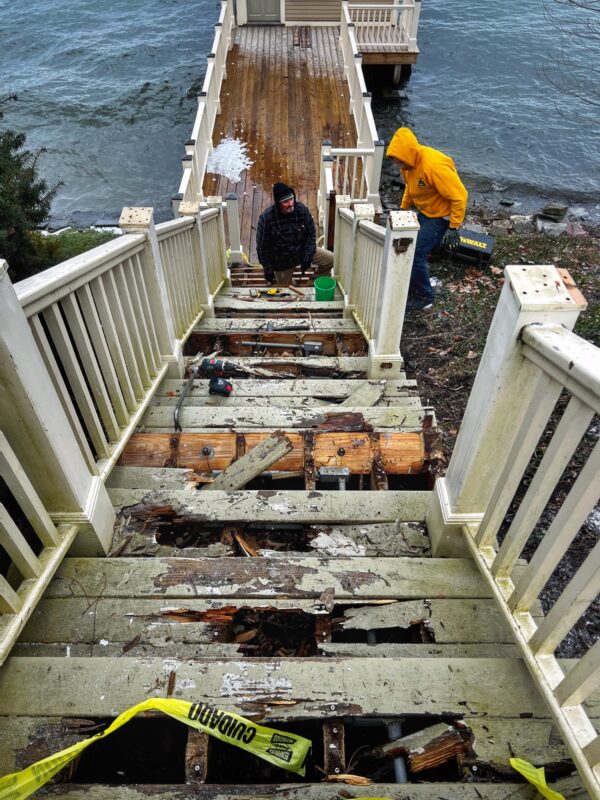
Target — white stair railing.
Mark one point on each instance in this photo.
(200, 145)
(531, 359)
(33, 543)
(372, 265)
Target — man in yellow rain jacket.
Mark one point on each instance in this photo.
(435, 189)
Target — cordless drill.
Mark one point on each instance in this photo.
(215, 368)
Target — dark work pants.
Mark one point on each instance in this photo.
(430, 235)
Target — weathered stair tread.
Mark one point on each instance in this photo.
(242, 302)
(258, 325)
(291, 387)
(119, 621)
(292, 366)
(247, 418)
(435, 791)
(312, 687)
(284, 506)
(243, 578)
(243, 402)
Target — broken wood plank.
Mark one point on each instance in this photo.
(369, 394)
(259, 325)
(428, 748)
(253, 463)
(381, 578)
(249, 343)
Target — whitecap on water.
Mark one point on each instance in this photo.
(229, 158)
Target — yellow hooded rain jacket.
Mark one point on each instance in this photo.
(433, 185)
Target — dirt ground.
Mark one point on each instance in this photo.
(442, 350)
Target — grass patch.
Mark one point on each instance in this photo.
(53, 250)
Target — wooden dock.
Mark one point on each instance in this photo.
(285, 92)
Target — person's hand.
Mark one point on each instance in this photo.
(451, 239)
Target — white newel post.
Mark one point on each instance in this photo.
(236, 253)
(504, 386)
(401, 233)
(341, 201)
(217, 202)
(412, 40)
(200, 260)
(361, 211)
(241, 12)
(38, 430)
(141, 220)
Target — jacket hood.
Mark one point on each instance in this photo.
(404, 146)
(281, 191)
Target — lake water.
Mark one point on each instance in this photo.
(109, 89)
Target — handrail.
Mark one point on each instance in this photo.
(355, 170)
(200, 145)
(533, 349)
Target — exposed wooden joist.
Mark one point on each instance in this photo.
(253, 463)
(401, 453)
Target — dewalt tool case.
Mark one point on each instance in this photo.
(474, 247)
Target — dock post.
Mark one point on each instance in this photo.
(39, 432)
(385, 360)
(141, 220)
(374, 174)
(236, 252)
(501, 395)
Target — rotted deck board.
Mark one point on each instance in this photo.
(247, 343)
(119, 621)
(311, 687)
(295, 366)
(283, 130)
(259, 325)
(245, 578)
(160, 418)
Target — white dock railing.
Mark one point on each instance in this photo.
(372, 265)
(387, 27)
(200, 145)
(531, 359)
(353, 171)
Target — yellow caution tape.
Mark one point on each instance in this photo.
(285, 750)
(536, 777)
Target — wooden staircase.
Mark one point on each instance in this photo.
(291, 601)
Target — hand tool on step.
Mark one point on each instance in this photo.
(212, 368)
(307, 348)
(269, 293)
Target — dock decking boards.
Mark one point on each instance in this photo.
(284, 93)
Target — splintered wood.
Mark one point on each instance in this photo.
(394, 453)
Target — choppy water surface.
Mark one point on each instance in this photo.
(479, 93)
(109, 89)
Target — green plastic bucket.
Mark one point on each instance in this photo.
(324, 288)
